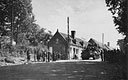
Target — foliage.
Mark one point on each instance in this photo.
(15, 16)
(118, 58)
(17, 22)
(43, 37)
(5, 42)
(85, 54)
(119, 10)
(12, 50)
(115, 56)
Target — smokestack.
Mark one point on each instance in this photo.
(108, 43)
(68, 28)
(102, 38)
(73, 34)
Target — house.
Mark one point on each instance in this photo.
(98, 45)
(96, 48)
(63, 47)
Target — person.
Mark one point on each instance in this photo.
(38, 55)
(102, 55)
(35, 53)
(53, 56)
(28, 55)
(49, 56)
(43, 55)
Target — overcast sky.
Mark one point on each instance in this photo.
(89, 18)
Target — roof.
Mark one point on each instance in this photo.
(101, 45)
(106, 47)
(78, 42)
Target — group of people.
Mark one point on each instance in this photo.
(39, 54)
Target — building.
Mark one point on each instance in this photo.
(63, 48)
(96, 44)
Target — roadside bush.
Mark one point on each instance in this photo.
(119, 59)
(115, 56)
(15, 51)
(85, 54)
(9, 60)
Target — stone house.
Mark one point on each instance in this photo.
(63, 47)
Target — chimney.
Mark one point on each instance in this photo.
(108, 43)
(73, 34)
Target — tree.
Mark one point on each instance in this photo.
(43, 37)
(118, 9)
(15, 17)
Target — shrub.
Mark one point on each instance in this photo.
(9, 60)
(85, 54)
(119, 59)
(114, 56)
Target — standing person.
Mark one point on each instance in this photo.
(38, 54)
(35, 53)
(102, 55)
(49, 56)
(53, 57)
(42, 52)
(28, 54)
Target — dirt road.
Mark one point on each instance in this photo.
(78, 70)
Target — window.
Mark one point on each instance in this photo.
(57, 40)
(74, 50)
(77, 51)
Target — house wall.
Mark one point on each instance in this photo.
(58, 47)
(74, 50)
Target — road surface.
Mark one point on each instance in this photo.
(60, 70)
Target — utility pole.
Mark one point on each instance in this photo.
(102, 53)
(68, 37)
(68, 28)
(102, 39)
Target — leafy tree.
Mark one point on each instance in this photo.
(43, 37)
(15, 17)
(22, 39)
(36, 36)
(119, 10)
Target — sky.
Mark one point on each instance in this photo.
(89, 18)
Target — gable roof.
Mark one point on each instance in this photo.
(78, 42)
(101, 45)
(106, 47)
